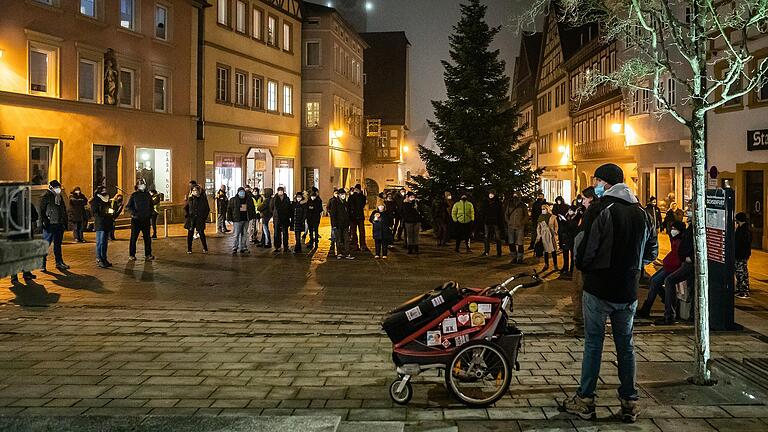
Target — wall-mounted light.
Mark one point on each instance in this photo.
(616, 128)
(406, 148)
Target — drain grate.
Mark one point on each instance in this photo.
(753, 370)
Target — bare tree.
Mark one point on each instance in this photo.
(686, 41)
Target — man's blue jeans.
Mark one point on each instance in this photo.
(596, 312)
(102, 240)
(54, 234)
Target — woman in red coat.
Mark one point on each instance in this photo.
(671, 264)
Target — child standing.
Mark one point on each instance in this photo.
(743, 252)
(382, 230)
(299, 219)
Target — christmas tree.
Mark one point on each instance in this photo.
(476, 131)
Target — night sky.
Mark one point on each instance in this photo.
(427, 24)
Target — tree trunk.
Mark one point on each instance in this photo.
(701, 353)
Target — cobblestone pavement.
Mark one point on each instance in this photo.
(265, 335)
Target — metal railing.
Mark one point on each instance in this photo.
(15, 210)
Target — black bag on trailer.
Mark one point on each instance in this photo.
(420, 310)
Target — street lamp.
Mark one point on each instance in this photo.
(616, 128)
(368, 6)
(405, 148)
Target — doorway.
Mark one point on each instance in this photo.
(284, 175)
(755, 202)
(229, 171)
(256, 163)
(105, 167)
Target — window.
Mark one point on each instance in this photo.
(222, 12)
(43, 69)
(358, 77)
(640, 101)
(222, 83)
(272, 31)
(557, 96)
(161, 22)
(670, 91)
(287, 99)
(257, 89)
(127, 14)
(258, 24)
(312, 114)
(312, 53)
(545, 144)
(87, 83)
(161, 93)
(127, 88)
(241, 88)
(762, 92)
(88, 8)
(241, 17)
(154, 166)
(272, 95)
(287, 36)
(562, 94)
(42, 167)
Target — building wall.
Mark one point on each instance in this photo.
(334, 146)
(233, 131)
(73, 126)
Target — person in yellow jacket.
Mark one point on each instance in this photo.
(254, 226)
(463, 214)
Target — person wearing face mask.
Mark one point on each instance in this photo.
(117, 206)
(299, 220)
(265, 209)
(566, 235)
(254, 225)
(140, 207)
(156, 200)
(441, 215)
(399, 226)
(196, 212)
(239, 211)
(282, 214)
(653, 209)
(493, 221)
(314, 213)
(53, 216)
(656, 286)
(535, 213)
(463, 215)
(587, 198)
(103, 224)
(331, 203)
(357, 203)
(340, 221)
(221, 209)
(673, 214)
(78, 216)
(381, 221)
(412, 221)
(516, 218)
(546, 236)
(619, 239)
(743, 243)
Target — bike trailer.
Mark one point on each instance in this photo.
(420, 310)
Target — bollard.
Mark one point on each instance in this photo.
(165, 221)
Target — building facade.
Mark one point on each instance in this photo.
(387, 110)
(98, 92)
(250, 125)
(737, 144)
(523, 94)
(332, 101)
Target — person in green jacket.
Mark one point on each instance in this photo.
(463, 214)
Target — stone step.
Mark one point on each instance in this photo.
(371, 426)
(175, 424)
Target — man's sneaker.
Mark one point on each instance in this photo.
(150, 258)
(131, 258)
(62, 266)
(742, 295)
(338, 257)
(582, 407)
(350, 257)
(376, 256)
(630, 409)
(384, 257)
(234, 252)
(101, 264)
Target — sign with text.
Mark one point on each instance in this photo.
(720, 257)
(757, 140)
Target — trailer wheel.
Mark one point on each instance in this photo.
(402, 397)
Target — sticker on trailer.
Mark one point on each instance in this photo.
(461, 340)
(437, 301)
(446, 343)
(485, 308)
(434, 338)
(413, 313)
(449, 325)
(463, 319)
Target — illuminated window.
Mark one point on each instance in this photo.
(258, 24)
(161, 22)
(272, 95)
(222, 12)
(287, 37)
(257, 89)
(43, 69)
(287, 99)
(312, 114)
(127, 14)
(222, 83)
(272, 31)
(241, 17)
(87, 82)
(241, 88)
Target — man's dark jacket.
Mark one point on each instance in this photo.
(140, 205)
(357, 203)
(339, 213)
(618, 240)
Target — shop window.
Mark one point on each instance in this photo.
(43, 163)
(128, 14)
(229, 171)
(161, 22)
(154, 167)
(687, 185)
(43, 69)
(284, 175)
(665, 188)
(87, 81)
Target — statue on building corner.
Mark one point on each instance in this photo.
(111, 82)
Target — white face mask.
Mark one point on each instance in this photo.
(142, 187)
(381, 208)
(57, 190)
(280, 193)
(343, 196)
(448, 197)
(544, 212)
(313, 197)
(674, 232)
(491, 196)
(196, 193)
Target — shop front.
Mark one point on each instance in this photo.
(154, 167)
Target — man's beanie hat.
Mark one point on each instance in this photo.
(610, 173)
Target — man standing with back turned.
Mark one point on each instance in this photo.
(619, 240)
